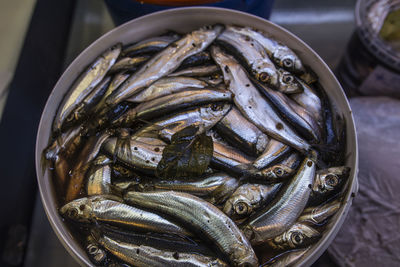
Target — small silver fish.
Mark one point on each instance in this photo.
(318, 214)
(150, 45)
(287, 258)
(99, 178)
(198, 71)
(288, 83)
(328, 181)
(298, 236)
(97, 254)
(128, 64)
(274, 151)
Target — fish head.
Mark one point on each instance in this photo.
(79, 210)
(277, 172)
(209, 32)
(95, 252)
(288, 84)
(299, 235)
(215, 110)
(265, 74)
(238, 206)
(330, 179)
(285, 58)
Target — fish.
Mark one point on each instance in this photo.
(252, 105)
(144, 256)
(252, 54)
(238, 131)
(95, 252)
(280, 171)
(165, 62)
(215, 188)
(287, 258)
(318, 214)
(298, 236)
(85, 83)
(150, 45)
(201, 58)
(288, 83)
(197, 71)
(99, 178)
(128, 64)
(248, 198)
(166, 86)
(169, 103)
(203, 117)
(215, 80)
(282, 55)
(278, 216)
(110, 210)
(66, 143)
(296, 115)
(204, 218)
(274, 151)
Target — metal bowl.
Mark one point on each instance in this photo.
(184, 20)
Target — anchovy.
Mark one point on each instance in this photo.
(317, 215)
(128, 64)
(199, 71)
(169, 103)
(85, 83)
(278, 52)
(288, 110)
(274, 151)
(288, 83)
(99, 178)
(237, 130)
(248, 198)
(202, 58)
(144, 256)
(166, 86)
(252, 105)
(110, 210)
(96, 253)
(287, 258)
(280, 171)
(204, 117)
(281, 214)
(298, 236)
(150, 45)
(203, 217)
(252, 54)
(165, 62)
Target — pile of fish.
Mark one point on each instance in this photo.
(213, 148)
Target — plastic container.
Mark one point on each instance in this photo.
(370, 66)
(187, 19)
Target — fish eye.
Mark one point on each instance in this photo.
(241, 208)
(93, 249)
(287, 78)
(331, 180)
(215, 107)
(287, 62)
(279, 171)
(264, 77)
(72, 213)
(297, 238)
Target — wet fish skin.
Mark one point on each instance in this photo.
(252, 54)
(169, 103)
(317, 215)
(274, 151)
(252, 105)
(96, 254)
(165, 62)
(237, 130)
(204, 218)
(201, 58)
(249, 197)
(288, 258)
(128, 64)
(288, 83)
(281, 214)
(150, 45)
(99, 178)
(279, 172)
(198, 71)
(85, 83)
(167, 86)
(143, 256)
(109, 209)
(298, 236)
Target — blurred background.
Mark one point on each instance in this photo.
(41, 37)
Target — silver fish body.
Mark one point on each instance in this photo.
(110, 210)
(128, 63)
(95, 252)
(169, 103)
(274, 151)
(287, 258)
(248, 198)
(165, 62)
(251, 103)
(252, 53)
(298, 236)
(317, 215)
(198, 71)
(166, 86)
(278, 52)
(281, 214)
(99, 178)
(208, 220)
(237, 130)
(85, 83)
(150, 45)
(144, 256)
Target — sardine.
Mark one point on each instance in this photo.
(248, 198)
(169, 103)
(292, 112)
(165, 62)
(96, 253)
(278, 52)
(99, 178)
(110, 210)
(298, 236)
(201, 58)
(274, 151)
(280, 171)
(287, 258)
(252, 105)
(204, 117)
(281, 214)
(144, 256)
(166, 86)
(288, 83)
(198, 71)
(130, 64)
(252, 54)
(150, 45)
(202, 217)
(238, 131)
(85, 83)
(317, 215)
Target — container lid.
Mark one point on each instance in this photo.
(370, 16)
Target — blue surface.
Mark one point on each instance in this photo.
(125, 10)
